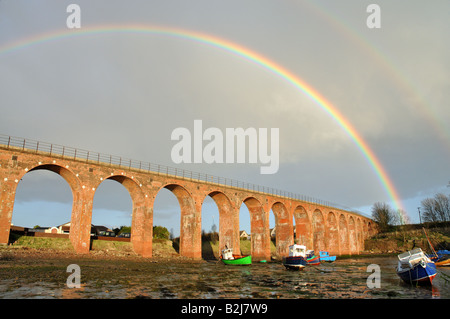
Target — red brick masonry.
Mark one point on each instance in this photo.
(318, 227)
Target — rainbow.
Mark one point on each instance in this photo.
(354, 35)
(246, 54)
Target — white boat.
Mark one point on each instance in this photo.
(415, 267)
(297, 257)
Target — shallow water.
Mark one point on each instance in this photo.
(210, 280)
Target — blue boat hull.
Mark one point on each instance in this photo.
(419, 275)
(325, 257)
(328, 258)
(294, 263)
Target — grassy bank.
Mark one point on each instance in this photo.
(161, 247)
(404, 238)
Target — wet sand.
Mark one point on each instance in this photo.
(29, 273)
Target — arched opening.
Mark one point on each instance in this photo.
(166, 216)
(333, 234)
(343, 235)
(318, 224)
(260, 234)
(294, 229)
(43, 203)
(302, 226)
(352, 235)
(283, 233)
(371, 229)
(273, 232)
(245, 230)
(189, 243)
(112, 211)
(77, 204)
(134, 213)
(210, 229)
(359, 236)
(217, 208)
(112, 208)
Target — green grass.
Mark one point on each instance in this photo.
(398, 241)
(160, 247)
(44, 243)
(112, 245)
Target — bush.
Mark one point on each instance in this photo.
(160, 232)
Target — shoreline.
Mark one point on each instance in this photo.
(10, 253)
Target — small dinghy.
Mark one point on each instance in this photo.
(414, 267)
(296, 259)
(229, 259)
(312, 259)
(324, 256)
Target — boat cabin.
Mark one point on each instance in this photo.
(411, 258)
(227, 254)
(309, 253)
(297, 251)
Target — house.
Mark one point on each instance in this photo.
(100, 230)
(61, 229)
(96, 230)
(244, 235)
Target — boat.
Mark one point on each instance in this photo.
(440, 257)
(312, 259)
(296, 259)
(443, 258)
(228, 258)
(324, 256)
(414, 267)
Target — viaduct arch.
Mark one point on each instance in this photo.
(318, 226)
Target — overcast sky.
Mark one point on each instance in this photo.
(124, 93)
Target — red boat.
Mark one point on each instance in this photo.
(312, 259)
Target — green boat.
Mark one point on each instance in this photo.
(229, 259)
(240, 260)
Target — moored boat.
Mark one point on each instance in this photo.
(444, 258)
(324, 256)
(312, 259)
(415, 267)
(440, 257)
(228, 258)
(296, 259)
(439, 260)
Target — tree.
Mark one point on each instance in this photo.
(436, 209)
(160, 232)
(400, 217)
(383, 214)
(122, 229)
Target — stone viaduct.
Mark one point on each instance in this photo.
(318, 226)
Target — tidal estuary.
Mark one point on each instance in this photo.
(26, 278)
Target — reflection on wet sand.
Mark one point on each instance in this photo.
(132, 279)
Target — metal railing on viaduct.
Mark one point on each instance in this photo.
(319, 223)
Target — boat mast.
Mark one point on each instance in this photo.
(429, 242)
